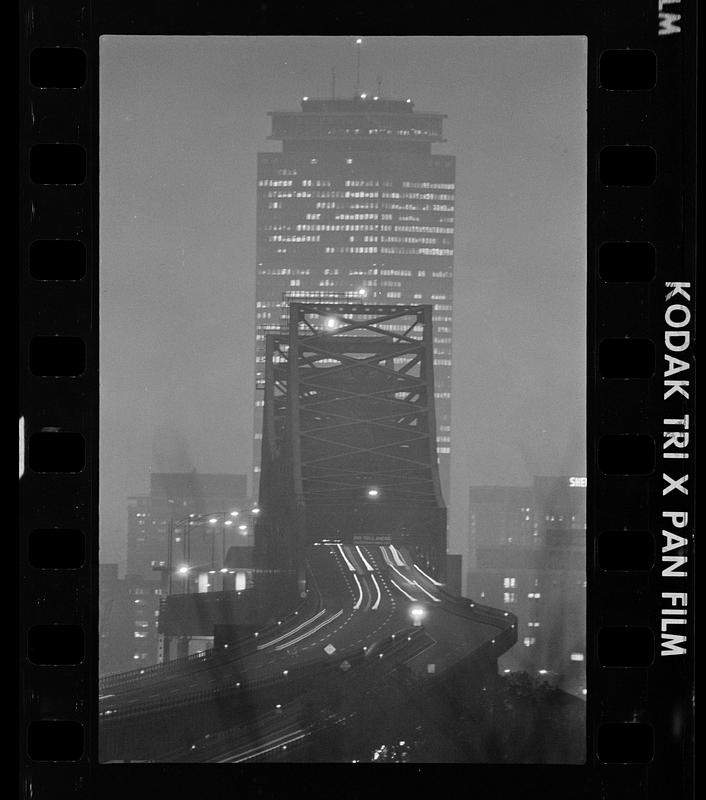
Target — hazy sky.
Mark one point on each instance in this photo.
(182, 119)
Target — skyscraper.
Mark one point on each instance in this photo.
(356, 205)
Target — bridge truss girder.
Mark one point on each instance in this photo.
(348, 412)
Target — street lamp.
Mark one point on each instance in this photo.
(417, 613)
(227, 519)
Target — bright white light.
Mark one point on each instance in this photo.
(331, 322)
(356, 605)
(543, 671)
(213, 520)
(234, 513)
(363, 291)
(224, 569)
(363, 96)
(256, 510)
(229, 522)
(373, 492)
(242, 527)
(183, 570)
(305, 98)
(359, 41)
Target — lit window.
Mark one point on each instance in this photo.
(509, 583)
(508, 597)
(577, 656)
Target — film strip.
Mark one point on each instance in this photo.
(641, 293)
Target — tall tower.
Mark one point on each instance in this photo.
(357, 206)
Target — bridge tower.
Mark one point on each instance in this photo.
(349, 436)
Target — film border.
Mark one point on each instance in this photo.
(663, 213)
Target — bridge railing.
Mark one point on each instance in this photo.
(393, 643)
(206, 657)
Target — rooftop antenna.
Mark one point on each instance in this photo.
(333, 83)
(358, 43)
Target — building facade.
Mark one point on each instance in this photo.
(528, 546)
(128, 621)
(357, 206)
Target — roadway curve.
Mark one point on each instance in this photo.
(368, 609)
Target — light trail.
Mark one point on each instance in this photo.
(404, 577)
(273, 744)
(408, 596)
(398, 558)
(311, 632)
(428, 594)
(356, 606)
(379, 597)
(428, 577)
(363, 558)
(385, 556)
(292, 632)
(345, 558)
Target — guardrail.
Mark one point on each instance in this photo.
(127, 732)
(203, 658)
(393, 643)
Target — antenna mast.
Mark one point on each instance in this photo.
(358, 43)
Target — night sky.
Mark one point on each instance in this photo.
(182, 119)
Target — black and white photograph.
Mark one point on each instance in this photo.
(343, 370)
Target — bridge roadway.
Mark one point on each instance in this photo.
(359, 613)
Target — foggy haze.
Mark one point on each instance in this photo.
(182, 120)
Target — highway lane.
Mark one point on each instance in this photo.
(362, 594)
(356, 607)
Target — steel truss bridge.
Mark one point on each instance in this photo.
(353, 523)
